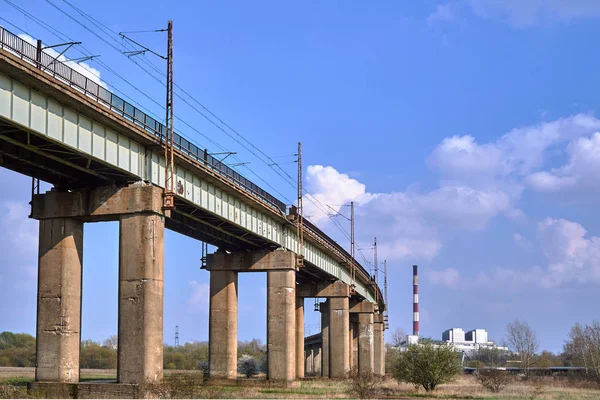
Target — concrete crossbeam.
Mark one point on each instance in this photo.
(324, 290)
(249, 262)
(339, 342)
(106, 203)
(223, 324)
(59, 300)
(141, 293)
(281, 324)
(362, 307)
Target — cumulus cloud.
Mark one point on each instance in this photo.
(83, 68)
(571, 257)
(579, 173)
(524, 13)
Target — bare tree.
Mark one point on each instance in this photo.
(583, 349)
(523, 341)
(111, 342)
(398, 337)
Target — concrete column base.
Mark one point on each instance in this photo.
(223, 324)
(365, 343)
(59, 300)
(281, 324)
(324, 308)
(378, 345)
(339, 343)
(299, 337)
(141, 293)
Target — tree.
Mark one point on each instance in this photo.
(583, 349)
(111, 342)
(398, 338)
(523, 341)
(427, 365)
(248, 366)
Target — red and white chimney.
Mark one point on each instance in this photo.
(415, 301)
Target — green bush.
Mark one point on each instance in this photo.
(427, 365)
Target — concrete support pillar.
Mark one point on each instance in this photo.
(141, 292)
(324, 308)
(350, 352)
(59, 300)
(353, 342)
(317, 361)
(223, 324)
(310, 357)
(339, 342)
(281, 324)
(299, 337)
(365, 343)
(378, 345)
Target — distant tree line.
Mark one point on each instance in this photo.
(18, 350)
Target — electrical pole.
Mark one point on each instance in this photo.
(385, 295)
(375, 263)
(352, 269)
(169, 194)
(300, 222)
(176, 335)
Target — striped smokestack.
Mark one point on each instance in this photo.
(415, 300)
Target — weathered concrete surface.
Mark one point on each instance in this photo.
(309, 355)
(317, 364)
(248, 262)
(59, 300)
(141, 293)
(339, 342)
(324, 290)
(299, 337)
(324, 308)
(106, 203)
(378, 345)
(281, 324)
(223, 324)
(365, 343)
(362, 307)
(353, 340)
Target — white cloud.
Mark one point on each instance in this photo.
(442, 13)
(83, 68)
(199, 298)
(579, 173)
(571, 257)
(523, 13)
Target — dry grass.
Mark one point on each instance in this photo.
(465, 387)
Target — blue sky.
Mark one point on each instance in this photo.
(464, 130)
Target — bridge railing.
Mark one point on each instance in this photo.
(59, 70)
(50, 65)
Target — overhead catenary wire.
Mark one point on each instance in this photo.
(274, 165)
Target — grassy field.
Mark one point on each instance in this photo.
(13, 382)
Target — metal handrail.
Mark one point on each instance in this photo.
(59, 70)
(26, 51)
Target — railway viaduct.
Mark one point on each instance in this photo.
(106, 162)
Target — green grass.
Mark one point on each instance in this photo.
(294, 391)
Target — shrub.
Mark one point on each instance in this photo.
(248, 366)
(364, 385)
(427, 365)
(493, 380)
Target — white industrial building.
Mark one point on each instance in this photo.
(469, 341)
